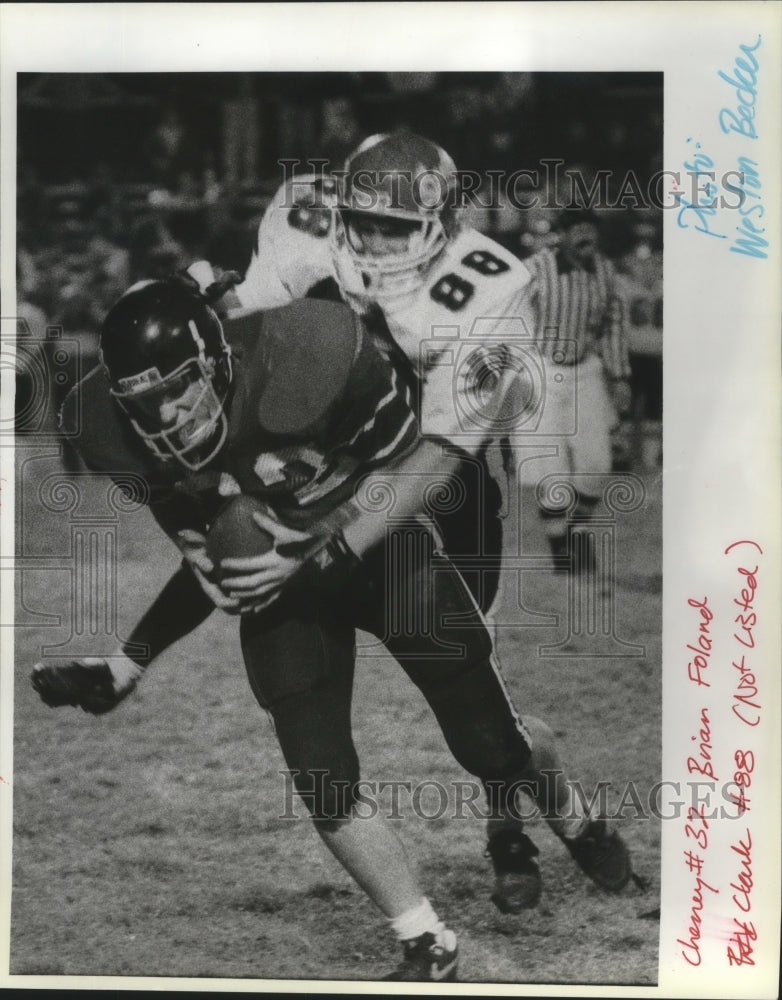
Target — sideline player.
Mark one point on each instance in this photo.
(203, 420)
(390, 240)
(580, 333)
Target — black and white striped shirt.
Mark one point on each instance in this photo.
(579, 312)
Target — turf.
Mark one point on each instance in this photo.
(149, 842)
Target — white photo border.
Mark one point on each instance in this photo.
(722, 363)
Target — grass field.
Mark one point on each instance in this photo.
(148, 842)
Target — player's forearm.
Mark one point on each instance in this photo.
(178, 514)
(407, 479)
(180, 607)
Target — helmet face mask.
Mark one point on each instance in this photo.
(391, 255)
(385, 235)
(397, 215)
(181, 416)
(170, 370)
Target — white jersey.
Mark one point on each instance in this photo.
(293, 251)
(466, 330)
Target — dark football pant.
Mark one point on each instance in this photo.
(300, 658)
(467, 517)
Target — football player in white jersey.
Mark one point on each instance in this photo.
(395, 239)
(390, 240)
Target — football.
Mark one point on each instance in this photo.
(234, 534)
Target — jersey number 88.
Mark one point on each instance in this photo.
(454, 292)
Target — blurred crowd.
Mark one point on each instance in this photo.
(185, 169)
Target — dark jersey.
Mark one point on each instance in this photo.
(314, 405)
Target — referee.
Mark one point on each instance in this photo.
(580, 333)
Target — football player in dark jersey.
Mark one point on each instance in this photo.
(297, 408)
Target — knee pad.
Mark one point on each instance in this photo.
(314, 733)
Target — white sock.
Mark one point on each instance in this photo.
(419, 919)
(577, 819)
(126, 673)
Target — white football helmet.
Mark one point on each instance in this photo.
(397, 213)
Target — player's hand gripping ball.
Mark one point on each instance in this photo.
(235, 533)
(254, 555)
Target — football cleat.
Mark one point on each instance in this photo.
(428, 960)
(602, 855)
(87, 683)
(517, 881)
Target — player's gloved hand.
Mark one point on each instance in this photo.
(92, 683)
(192, 545)
(217, 285)
(257, 581)
(335, 562)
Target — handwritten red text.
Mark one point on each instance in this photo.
(702, 645)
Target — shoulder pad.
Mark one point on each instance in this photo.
(302, 363)
(294, 237)
(304, 204)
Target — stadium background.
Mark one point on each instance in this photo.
(123, 176)
(149, 842)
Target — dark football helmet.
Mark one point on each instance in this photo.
(397, 213)
(163, 348)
